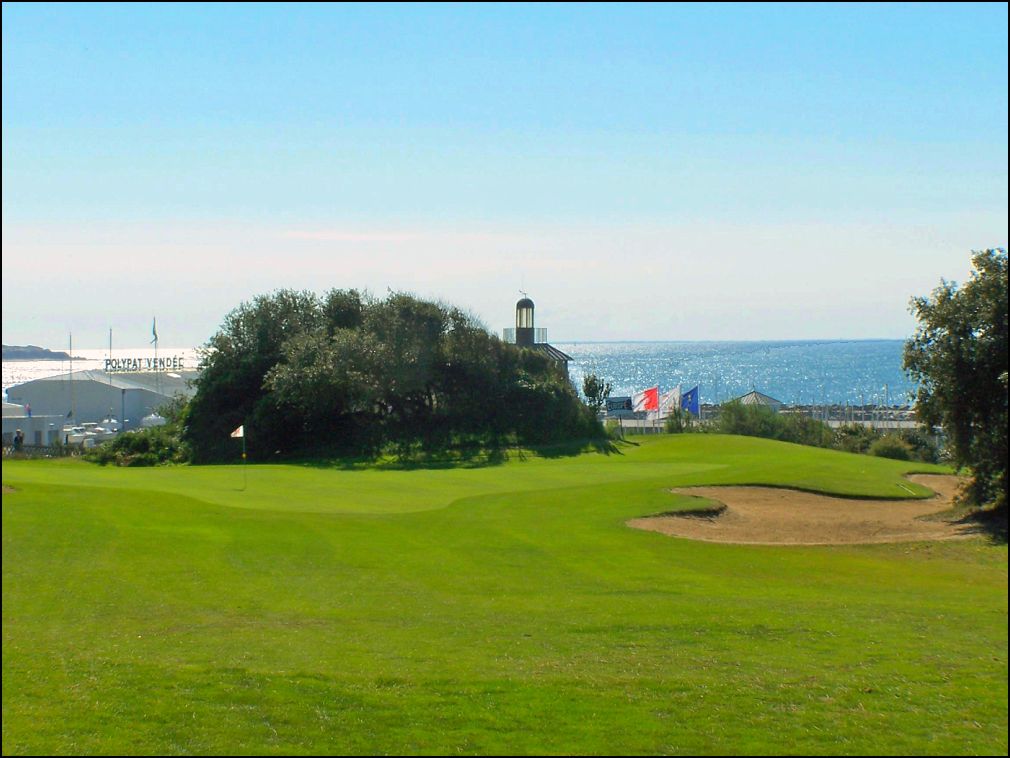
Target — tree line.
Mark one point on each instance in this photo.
(346, 373)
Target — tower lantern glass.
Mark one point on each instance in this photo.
(524, 314)
(524, 322)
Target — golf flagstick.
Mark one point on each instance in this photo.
(240, 432)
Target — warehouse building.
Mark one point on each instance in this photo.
(91, 396)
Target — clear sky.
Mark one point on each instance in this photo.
(644, 172)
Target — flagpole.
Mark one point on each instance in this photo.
(73, 412)
(157, 374)
(240, 432)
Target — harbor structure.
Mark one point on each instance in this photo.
(527, 335)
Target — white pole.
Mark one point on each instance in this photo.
(887, 405)
(73, 410)
(157, 374)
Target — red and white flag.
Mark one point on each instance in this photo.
(646, 400)
(240, 432)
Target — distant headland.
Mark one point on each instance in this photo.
(32, 353)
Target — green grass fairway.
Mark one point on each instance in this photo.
(504, 609)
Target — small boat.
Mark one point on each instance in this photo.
(74, 435)
(88, 434)
(153, 419)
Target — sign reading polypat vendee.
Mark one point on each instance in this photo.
(132, 365)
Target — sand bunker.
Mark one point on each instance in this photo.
(772, 516)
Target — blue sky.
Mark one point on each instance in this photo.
(670, 172)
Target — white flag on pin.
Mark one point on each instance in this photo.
(240, 432)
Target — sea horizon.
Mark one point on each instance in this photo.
(105, 348)
(736, 341)
(796, 372)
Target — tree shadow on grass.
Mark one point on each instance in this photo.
(985, 521)
(989, 520)
(578, 447)
(466, 458)
(992, 522)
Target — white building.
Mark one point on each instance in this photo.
(759, 398)
(38, 430)
(90, 396)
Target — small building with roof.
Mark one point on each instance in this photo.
(525, 334)
(39, 430)
(759, 398)
(91, 396)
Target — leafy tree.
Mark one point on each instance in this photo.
(326, 383)
(347, 373)
(342, 309)
(230, 389)
(958, 356)
(596, 391)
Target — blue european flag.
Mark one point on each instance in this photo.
(689, 402)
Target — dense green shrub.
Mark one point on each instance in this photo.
(679, 421)
(923, 445)
(144, 447)
(892, 446)
(806, 431)
(761, 421)
(749, 420)
(855, 438)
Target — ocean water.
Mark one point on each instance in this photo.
(796, 372)
(800, 372)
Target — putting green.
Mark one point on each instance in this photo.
(709, 459)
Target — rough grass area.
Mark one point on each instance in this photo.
(504, 609)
